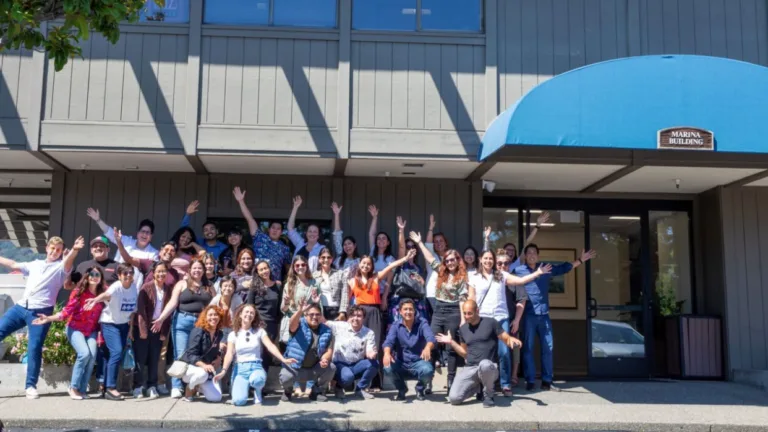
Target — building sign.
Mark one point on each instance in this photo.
(686, 138)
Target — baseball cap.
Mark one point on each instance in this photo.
(100, 239)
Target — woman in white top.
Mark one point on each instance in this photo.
(310, 247)
(334, 291)
(346, 247)
(381, 251)
(116, 323)
(488, 287)
(246, 343)
(228, 302)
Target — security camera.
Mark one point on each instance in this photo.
(489, 185)
(677, 184)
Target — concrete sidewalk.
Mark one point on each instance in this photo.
(626, 406)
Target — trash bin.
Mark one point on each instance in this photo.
(694, 346)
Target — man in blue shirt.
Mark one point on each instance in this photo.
(210, 232)
(412, 340)
(536, 320)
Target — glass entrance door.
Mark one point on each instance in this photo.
(618, 310)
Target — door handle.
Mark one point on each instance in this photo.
(592, 308)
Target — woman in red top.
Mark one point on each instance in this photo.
(82, 327)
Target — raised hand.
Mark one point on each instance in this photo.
(79, 243)
(335, 208)
(373, 211)
(543, 218)
(416, 237)
(401, 223)
(93, 214)
(545, 269)
(431, 222)
(444, 338)
(487, 232)
(588, 255)
(239, 194)
(411, 254)
(192, 207)
(297, 202)
(118, 235)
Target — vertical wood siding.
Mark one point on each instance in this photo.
(14, 83)
(142, 78)
(745, 253)
(270, 82)
(418, 86)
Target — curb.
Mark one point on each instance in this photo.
(342, 424)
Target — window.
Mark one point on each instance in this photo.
(405, 15)
(295, 13)
(503, 223)
(671, 261)
(175, 11)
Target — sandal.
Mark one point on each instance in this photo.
(515, 382)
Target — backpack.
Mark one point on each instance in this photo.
(408, 284)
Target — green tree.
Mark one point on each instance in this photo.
(20, 24)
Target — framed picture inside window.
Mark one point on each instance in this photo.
(563, 289)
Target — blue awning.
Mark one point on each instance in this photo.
(623, 103)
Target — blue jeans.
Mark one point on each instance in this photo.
(347, 373)
(421, 370)
(245, 376)
(115, 336)
(541, 326)
(16, 319)
(181, 327)
(505, 361)
(86, 358)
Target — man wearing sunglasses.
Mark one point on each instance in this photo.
(311, 345)
(99, 258)
(354, 354)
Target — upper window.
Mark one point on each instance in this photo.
(289, 13)
(417, 15)
(175, 11)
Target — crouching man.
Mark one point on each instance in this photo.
(311, 345)
(478, 344)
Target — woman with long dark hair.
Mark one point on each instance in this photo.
(299, 286)
(243, 274)
(82, 328)
(246, 343)
(191, 295)
(187, 249)
(228, 258)
(212, 271)
(346, 247)
(264, 294)
(309, 247)
(334, 292)
(470, 260)
(451, 290)
(488, 287)
(381, 254)
(414, 271)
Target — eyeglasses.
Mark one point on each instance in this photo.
(147, 232)
(502, 264)
(313, 315)
(450, 260)
(94, 274)
(299, 265)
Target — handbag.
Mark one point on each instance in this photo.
(178, 369)
(129, 361)
(408, 284)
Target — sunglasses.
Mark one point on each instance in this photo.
(313, 315)
(299, 265)
(502, 264)
(94, 274)
(450, 260)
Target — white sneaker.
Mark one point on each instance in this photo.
(163, 390)
(152, 392)
(176, 394)
(138, 393)
(32, 393)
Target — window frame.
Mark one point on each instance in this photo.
(420, 30)
(271, 21)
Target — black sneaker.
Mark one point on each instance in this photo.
(400, 397)
(363, 394)
(420, 396)
(479, 396)
(488, 402)
(530, 386)
(286, 397)
(428, 388)
(318, 397)
(340, 393)
(547, 386)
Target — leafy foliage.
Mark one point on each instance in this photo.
(20, 24)
(57, 350)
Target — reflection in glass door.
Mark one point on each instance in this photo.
(617, 309)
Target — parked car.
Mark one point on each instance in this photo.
(616, 339)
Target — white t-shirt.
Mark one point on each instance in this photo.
(44, 280)
(490, 296)
(148, 253)
(431, 274)
(159, 297)
(247, 344)
(121, 304)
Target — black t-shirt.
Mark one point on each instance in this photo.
(482, 340)
(268, 304)
(108, 266)
(311, 358)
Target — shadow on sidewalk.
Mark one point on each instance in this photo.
(296, 420)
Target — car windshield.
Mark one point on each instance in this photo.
(603, 333)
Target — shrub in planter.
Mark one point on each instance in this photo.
(56, 349)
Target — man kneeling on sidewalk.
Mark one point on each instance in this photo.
(311, 345)
(411, 340)
(478, 344)
(354, 353)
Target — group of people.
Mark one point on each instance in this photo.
(210, 315)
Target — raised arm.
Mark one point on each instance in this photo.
(374, 226)
(292, 218)
(240, 198)
(461, 349)
(428, 257)
(400, 237)
(431, 230)
(395, 264)
(118, 235)
(293, 324)
(487, 238)
(171, 305)
(96, 216)
(69, 260)
(9, 263)
(517, 280)
(585, 256)
(191, 209)
(541, 219)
